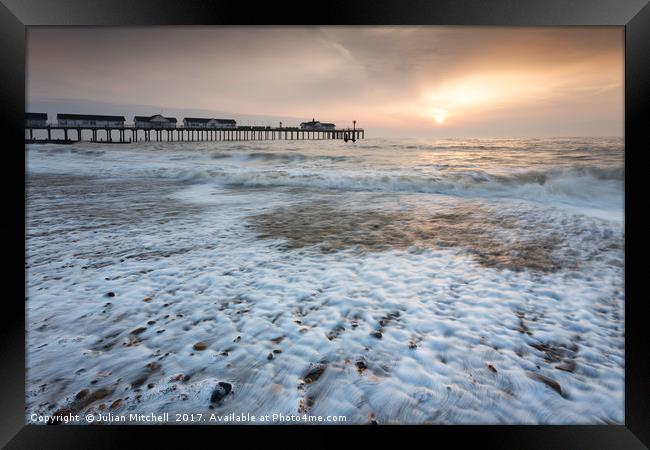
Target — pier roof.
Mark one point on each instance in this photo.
(148, 118)
(90, 117)
(36, 116)
(204, 120)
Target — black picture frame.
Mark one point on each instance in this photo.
(16, 15)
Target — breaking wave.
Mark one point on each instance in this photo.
(277, 157)
(581, 184)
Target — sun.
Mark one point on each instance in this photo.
(440, 115)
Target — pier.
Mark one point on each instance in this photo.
(151, 132)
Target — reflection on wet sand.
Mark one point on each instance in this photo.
(495, 240)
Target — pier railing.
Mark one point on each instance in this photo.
(181, 133)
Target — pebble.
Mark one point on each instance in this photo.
(314, 373)
(567, 366)
(546, 380)
(220, 391)
(81, 394)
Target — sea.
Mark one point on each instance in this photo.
(390, 281)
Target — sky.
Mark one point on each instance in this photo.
(400, 81)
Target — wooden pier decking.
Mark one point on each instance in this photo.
(56, 133)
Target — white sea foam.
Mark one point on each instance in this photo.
(462, 341)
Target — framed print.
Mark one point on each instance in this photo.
(411, 215)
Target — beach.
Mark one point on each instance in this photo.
(406, 281)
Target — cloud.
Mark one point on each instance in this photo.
(388, 78)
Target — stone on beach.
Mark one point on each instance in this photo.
(220, 391)
(314, 373)
(547, 381)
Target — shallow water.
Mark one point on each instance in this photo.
(400, 281)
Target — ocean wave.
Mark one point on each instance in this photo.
(544, 176)
(276, 157)
(589, 187)
(87, 152)
(601, 186)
